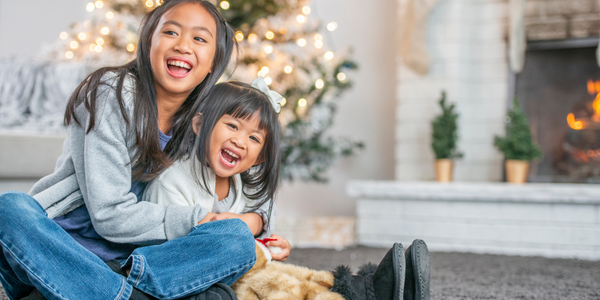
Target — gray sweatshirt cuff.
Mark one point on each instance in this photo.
(179, 220)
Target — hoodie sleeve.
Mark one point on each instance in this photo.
(102, 162)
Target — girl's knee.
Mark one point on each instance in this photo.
(19, 205)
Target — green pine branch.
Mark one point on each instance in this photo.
(445, 132)
(518, 142)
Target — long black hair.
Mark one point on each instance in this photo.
(148, 159)
(241, 100)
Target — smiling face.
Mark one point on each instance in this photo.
(235, 145)
(182, 51)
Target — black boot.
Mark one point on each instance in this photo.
(386, 282)
(218, 291)
(416, 285)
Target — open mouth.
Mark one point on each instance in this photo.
(229, 158)
(178, 68)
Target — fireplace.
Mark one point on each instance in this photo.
(559, 91)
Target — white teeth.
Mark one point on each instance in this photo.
(231, 153)
(180, 64)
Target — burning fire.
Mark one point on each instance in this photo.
(593, 87)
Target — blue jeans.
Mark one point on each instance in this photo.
(36, 252)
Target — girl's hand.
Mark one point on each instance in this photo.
(254, 221)
(281, 243)
(209, 217)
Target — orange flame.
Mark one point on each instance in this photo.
(575, 124)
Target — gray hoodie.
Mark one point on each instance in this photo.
(94, 169)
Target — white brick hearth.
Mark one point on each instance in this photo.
(551, 220)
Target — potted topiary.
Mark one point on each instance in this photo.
(518, 146)
(443, 140)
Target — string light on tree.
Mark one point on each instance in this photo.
(64, 35)
(100, 41)
(69, 54)
(149, 3)
(224, 5)
(268, 49)
(268, 80)
(90, 7)
(288, 69)
(306, 10)
(269, 35)
(74, 45)
(301, 18)
(301, 42)
(332, 26)
(239, 36)
(341, 77)
(130, 47)
(110, 15)
(302, 102)
(82, 36)
(319, 84)
(99, 4)
(105, 31)
(252, 38)
(328, 55)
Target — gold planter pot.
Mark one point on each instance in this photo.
(517, 170)
(443, 170)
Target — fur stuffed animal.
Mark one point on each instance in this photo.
(272, 280)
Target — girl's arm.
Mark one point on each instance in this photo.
(102, 162)
(253, 220)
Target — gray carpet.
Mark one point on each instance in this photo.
(476, 276)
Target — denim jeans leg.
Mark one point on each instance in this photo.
(219, 251)
(36, 252)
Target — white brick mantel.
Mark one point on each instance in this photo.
(551, 220)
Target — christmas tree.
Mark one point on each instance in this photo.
(518, 143)
(445, 132)
(279, 40)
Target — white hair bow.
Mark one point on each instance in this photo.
(275, 98)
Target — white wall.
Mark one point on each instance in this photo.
(25, 25)
(467, 43)
(366, 112)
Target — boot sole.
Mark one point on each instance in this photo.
(399, 270)
(420, 261)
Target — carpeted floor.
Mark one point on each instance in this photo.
(476, 276)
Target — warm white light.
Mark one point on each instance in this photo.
(319, 84)
(159, 2)
(90, 7)
(82, 36)
(92, 47)
(270, 35)
(69, 54)
(64, 35)
(110, 15)
(300, 18)
(239, 36)
(268, 80)
(301, 42)
(288, 69)
(149, 3)
(252, 38)
(130, 47)
(306, 10)
(268, 49)
(99, 4)
(328, 55)
(341, 76)
(302, 102)
(105, 30)
(100, 41)
(74, 45)
(264, 70)
(224, 5)
(332, 26)
(98, 48)
(319, 44)
(283, 102)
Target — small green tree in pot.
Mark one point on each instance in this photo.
(443, 140)
(517, 146)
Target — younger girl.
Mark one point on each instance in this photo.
(234, 167)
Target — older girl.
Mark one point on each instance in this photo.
(125, 126)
